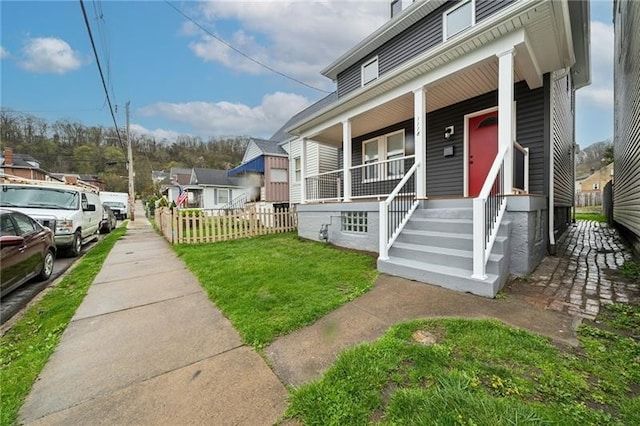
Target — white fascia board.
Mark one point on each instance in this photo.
(478, 30)
(387, 31)
(509, 41)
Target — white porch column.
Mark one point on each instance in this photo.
(505, 115)
(420, 140)
(346, 158)
(303, 172)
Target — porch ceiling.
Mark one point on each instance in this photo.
(474, 81)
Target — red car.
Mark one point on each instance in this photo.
(27, 250)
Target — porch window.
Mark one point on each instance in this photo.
(354, 222)
(458, 18)
(297, 166)
(370, 71)
(384, 148)
(222, 196)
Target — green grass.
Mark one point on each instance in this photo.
(598, 217)
(271, 285)
(26, 347)
(479, 372)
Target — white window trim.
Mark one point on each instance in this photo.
(452, 9)
(369, 62)
(218, 195)
(382, 155)
(297, 169)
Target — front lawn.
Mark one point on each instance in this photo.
(271, 285)
(481, 372)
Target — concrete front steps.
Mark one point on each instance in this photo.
(436, 247)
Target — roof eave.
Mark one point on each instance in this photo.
(391, 28)
(580, 27)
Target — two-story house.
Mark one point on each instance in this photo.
(453, 132)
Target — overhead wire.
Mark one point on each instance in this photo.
(240, 52)
(104, 85)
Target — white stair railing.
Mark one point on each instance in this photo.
(488, 209)
(396, 210)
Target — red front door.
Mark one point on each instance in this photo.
(483, 148)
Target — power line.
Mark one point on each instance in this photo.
(230, 46)
(104, 85)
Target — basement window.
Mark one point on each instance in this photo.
(355, 222)
(458, 18)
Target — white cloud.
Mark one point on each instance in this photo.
(600, 93)
(49, 55)
(4, 53)
(158, 134)
(298, 38)
(226, 118)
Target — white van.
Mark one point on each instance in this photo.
(72, 212)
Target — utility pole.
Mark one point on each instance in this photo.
(132, 193)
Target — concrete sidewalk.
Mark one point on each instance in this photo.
(146, 346)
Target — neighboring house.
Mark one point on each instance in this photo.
(596, 181)
(73, 178)
(22, 165)
(453, 131)
(265, 170)
(626, 146)
(320, 158)
(208, 189)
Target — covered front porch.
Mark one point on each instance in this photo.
(464, 121)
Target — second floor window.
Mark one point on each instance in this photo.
(369, 71)
(458, 18)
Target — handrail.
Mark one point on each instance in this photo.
(362, 166)
(402, 209)
(525, 153)
(237, 203)
(488, 209)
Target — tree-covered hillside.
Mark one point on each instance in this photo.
(71, 147)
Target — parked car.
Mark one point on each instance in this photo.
(73, 212)
(119, 209)
(27, 250)
(109, 220)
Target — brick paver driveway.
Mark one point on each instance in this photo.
(584, 275)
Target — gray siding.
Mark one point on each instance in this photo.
(486, 8)
(422, 36)
(626, 198)
(563, 159)
(445, 174)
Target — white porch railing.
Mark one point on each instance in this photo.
(372, 180)
(488, 209)
(519, 149)
(396, 210)
(324, 186)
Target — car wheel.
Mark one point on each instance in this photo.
(47, 267)
(76, 245)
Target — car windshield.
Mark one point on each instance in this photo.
(38, 198)
(114, 204)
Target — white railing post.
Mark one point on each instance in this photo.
(526, 170)
(478, 239)
(303, 172)
(346, 158)
(384, 230)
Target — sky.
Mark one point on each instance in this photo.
(181, 80)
